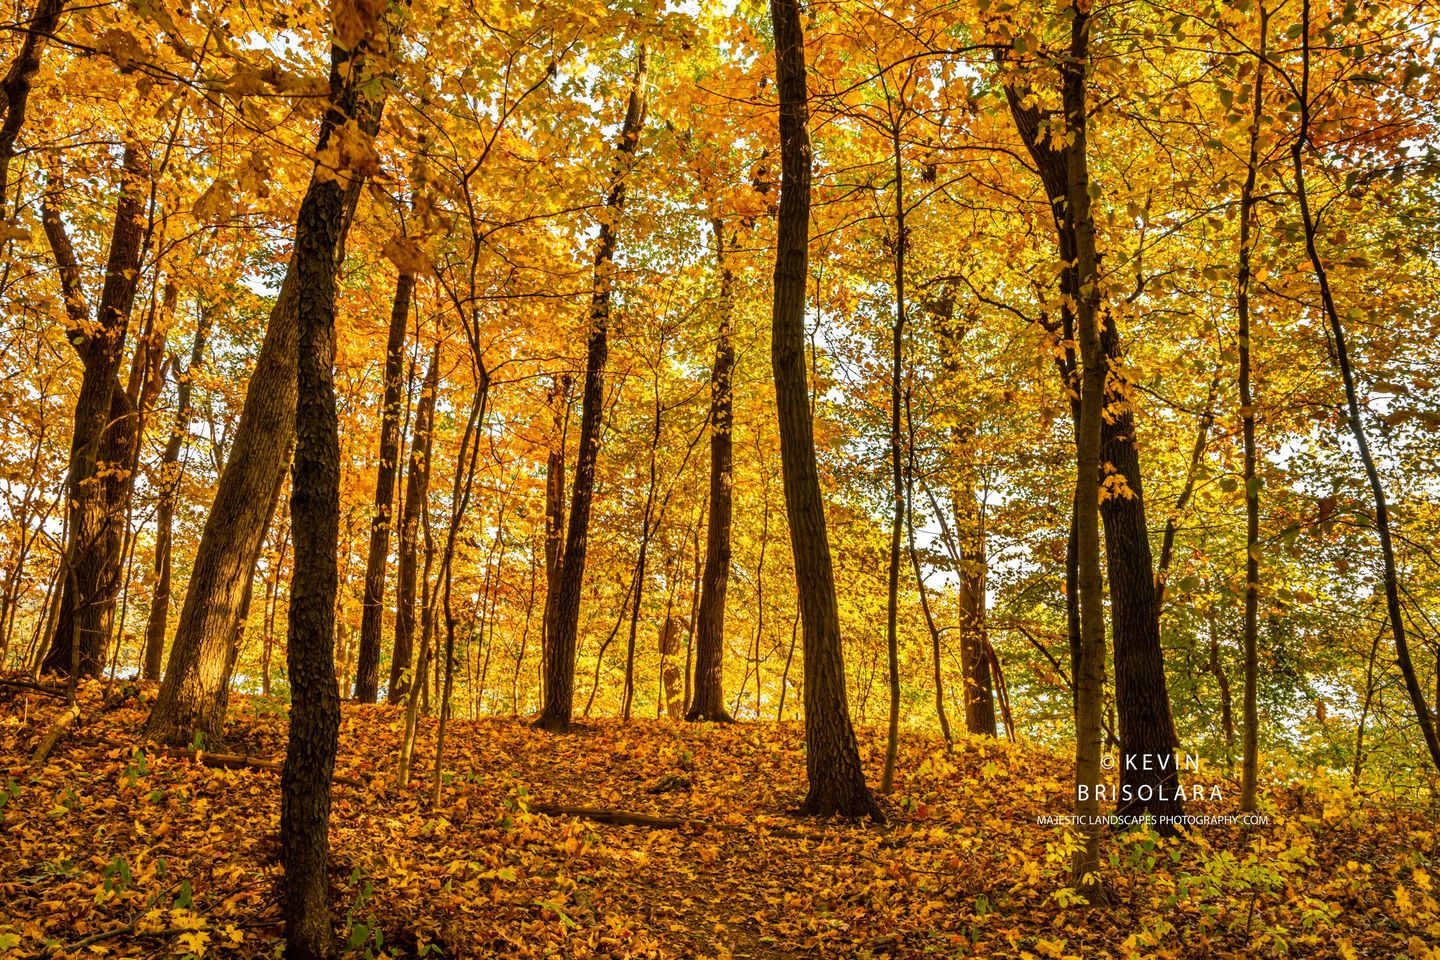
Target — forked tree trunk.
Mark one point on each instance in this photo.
(1149, 781)
(367, 671)
(98, 484)
(195, 691)
(708, 688)
(417, 489)
(560, 666)
(832, 757)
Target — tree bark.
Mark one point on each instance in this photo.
(195, 691)
(417, 489)
(315, 515)
(1090, 675)
(708, 687)
(101, 451)
(367, 672)
(560, 667)
(554, 512)
(832, 757)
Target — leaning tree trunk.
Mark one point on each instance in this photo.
(417, 488)
(101, 450)
(367, 671)
(832, 757)
(170, 473)
(195, 691)
(315, 510)
(560, 666)
(708, 701)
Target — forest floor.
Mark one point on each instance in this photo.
(111, 852)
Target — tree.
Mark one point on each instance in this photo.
(101, 449)
(560, 668)
(195, 691)
(315, 506)
(708, 694)
(367, 671)
(417, 489)
(832, 758)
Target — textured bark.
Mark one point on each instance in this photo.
(169, 484)
(417, 489)
(15, 88)
(315, 519)
(832, 757)
(1089, 443)
(708, 690)
(367, 671)
(101, 451)
(560, 666)
(195, 691)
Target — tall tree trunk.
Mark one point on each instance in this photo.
(560, 668)
(832, 757)
(1149, 781)
(417, 489)
(15, 88)
(1391, 578)
(101, 451)
(367, 673)
(967, 547)
(1090, 676)
(554, 512)
(708, 688)
(195, 691)
(315, 512)
(170, 476)
(897, 484)
(648, 525)
(1249, 709)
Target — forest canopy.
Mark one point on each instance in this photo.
(1041, 394)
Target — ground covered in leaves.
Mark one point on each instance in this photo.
(111, 851)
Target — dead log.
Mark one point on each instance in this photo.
(235, 761)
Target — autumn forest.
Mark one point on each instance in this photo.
(728, 480)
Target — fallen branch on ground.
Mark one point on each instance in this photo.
(235, 761)
(62, 723)
(622, 818)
